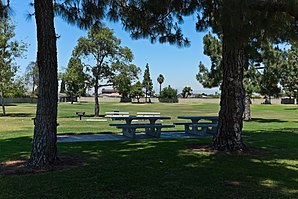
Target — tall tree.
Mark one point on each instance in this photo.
(124, 76)
(213, 77)
(9, 50)
(160, 80)
(74, 78)
(147, 83)
(136, 91)
(31, 78)
(187, 91)
(273, 60)
(102, 46)
(289, 72)
(44, 148)
(81, 13)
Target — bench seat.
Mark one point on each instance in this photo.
(206, 128)
(154, 130)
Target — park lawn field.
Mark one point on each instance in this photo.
(156, 168)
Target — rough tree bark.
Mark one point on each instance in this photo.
(44, 149)
(228, 137)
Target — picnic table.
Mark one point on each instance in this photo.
(193, 126)
(152, 128)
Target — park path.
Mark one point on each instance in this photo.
(109, 137)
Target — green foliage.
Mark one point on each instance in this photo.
(136, 91)
(32, 78)
(213, 49)
(102, 46)
(74, 78)
(9, 50)
(147, 82)
(272, 60)
(160, 80)
(289, 72)
(125, 75)
(213, 77)
(62, 86)
(168, 94)
(186, 91)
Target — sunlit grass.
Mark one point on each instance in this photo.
(156, 168)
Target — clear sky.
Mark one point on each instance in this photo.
(179, 66)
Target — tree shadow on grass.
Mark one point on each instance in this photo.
(292, 109)
(263, 120)
(165, 169)
(19, 115)
(10, 105)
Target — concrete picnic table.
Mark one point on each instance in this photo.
(151, 128)
(194, 124)
(152, 119)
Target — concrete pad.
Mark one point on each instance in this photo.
(107, 137)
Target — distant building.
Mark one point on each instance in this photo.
(109, 92)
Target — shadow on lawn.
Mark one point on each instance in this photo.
(292, 109)
(263, 120)
(19, 115)
(165, 168)
(171, 165)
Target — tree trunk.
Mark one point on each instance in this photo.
(247, 102)
(96, 108)
(2, 104)
(44, 149)
(71, 98)
(228, 137)
(159, 89)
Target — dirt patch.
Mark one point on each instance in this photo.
(19, 167)
(207, 148)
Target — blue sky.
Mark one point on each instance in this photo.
(178, 65)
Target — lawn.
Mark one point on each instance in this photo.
(156, 168)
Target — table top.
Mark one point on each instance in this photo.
(141, 117)
(198, 117)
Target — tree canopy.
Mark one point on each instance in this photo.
(104, 48)
(10, 49)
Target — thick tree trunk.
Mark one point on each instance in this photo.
(96, 108)
(44, 149)
(228, 137)
(247, 102)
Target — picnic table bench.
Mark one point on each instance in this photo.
(152, 128)
(193, 126)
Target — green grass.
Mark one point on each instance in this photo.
(157, 168)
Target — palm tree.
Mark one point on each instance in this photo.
(160, 80)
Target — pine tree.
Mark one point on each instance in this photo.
(147, 83)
